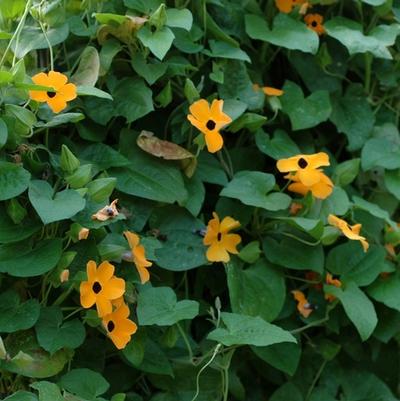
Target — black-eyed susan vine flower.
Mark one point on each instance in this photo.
(315, 22)
(101, 287)
(219, 239)
(269, 90)
(351, 232)
(332, 281)
(107, 212)
(287, 6)
(139, 256)
(305, 174)
(303, 306)
(62, 93)
(209, 120)
(118, 325)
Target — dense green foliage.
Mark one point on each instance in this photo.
(206, 331)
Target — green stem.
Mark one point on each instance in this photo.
(49, 45)
(186, 341)
(17, 32)
(368, 67)
(316, 378)
(308, 326)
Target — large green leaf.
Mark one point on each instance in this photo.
(54, 207)
(48, 391)
(252, 188)
(19, 260)
(350, 34)
(294, 254)
(305, 112)
(159, 306)
(241, 329)
(13, 180)
(386, 290)
(146, 176)
(159, 42)
(380, 152)
(286, 32)
(53, 334)
(257, 291)
(84, 383)
(359, 309)
(15, 315)
(133, 99)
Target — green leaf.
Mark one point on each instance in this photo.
(392, 182)
(88, 69)
(103, 156)
(19, 260)
(144, 6)
(29, 360)
(257, 291)
(284, 356)
(346, 172)
(32, 38)
(374, 210)
(286, 32)
(350, 34)
(380, 152)
(21, 396)
(54, 207)
(48, 391)
(305, 112)
(159, 306)
(286, 392)
(358, 308)
(248, 330)
(151, 72)
(133, 99)
(182, 18)
(84, 383)
(280, 146)
(147, 176)
(353, 264)
(252, 188)
(182, 250)
(159, 42)
(13, 180)
(15, 315)
(386, 290)
(53, 334)
(3, 133)
(353, 116)
(92, 91)
(294, 254)
(225, 50)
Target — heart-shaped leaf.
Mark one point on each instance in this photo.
(305, 112)
(63, 205)
(13, 180)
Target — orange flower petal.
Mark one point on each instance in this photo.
(115, 288)
(217, 253)
(57, 79)
(103, 305)
(269, 91)
(309, 176)
(88, 298)
(68, 91)
(228, 224)
(133, 239)
(57, 103)
(143, 274)
(200, 110)
(214, 142)
(105, 271)
(230, 242)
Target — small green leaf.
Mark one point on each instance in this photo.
(159, 306)
(13, 180)
(248, 330)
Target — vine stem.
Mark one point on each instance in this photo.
(48, 44)
(16, 33)
(316, 378)
(186, 340)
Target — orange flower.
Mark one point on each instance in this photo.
(209, 120)
(286, 6)
(63, 92)
(101, 287)
(107, 212)
(351, 232)
(268, 90)
(332, 281)
(139, 256)
(315, 22)
(303, 306)
(119, 328)
(306, 175)
(219, 240)
(320, 190)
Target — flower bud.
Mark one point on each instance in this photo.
(81, 176)
(69, 163)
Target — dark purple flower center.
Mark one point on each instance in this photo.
(210, 125)
(302, 163)
(96, 287)
(110, 326)
(51, 94)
